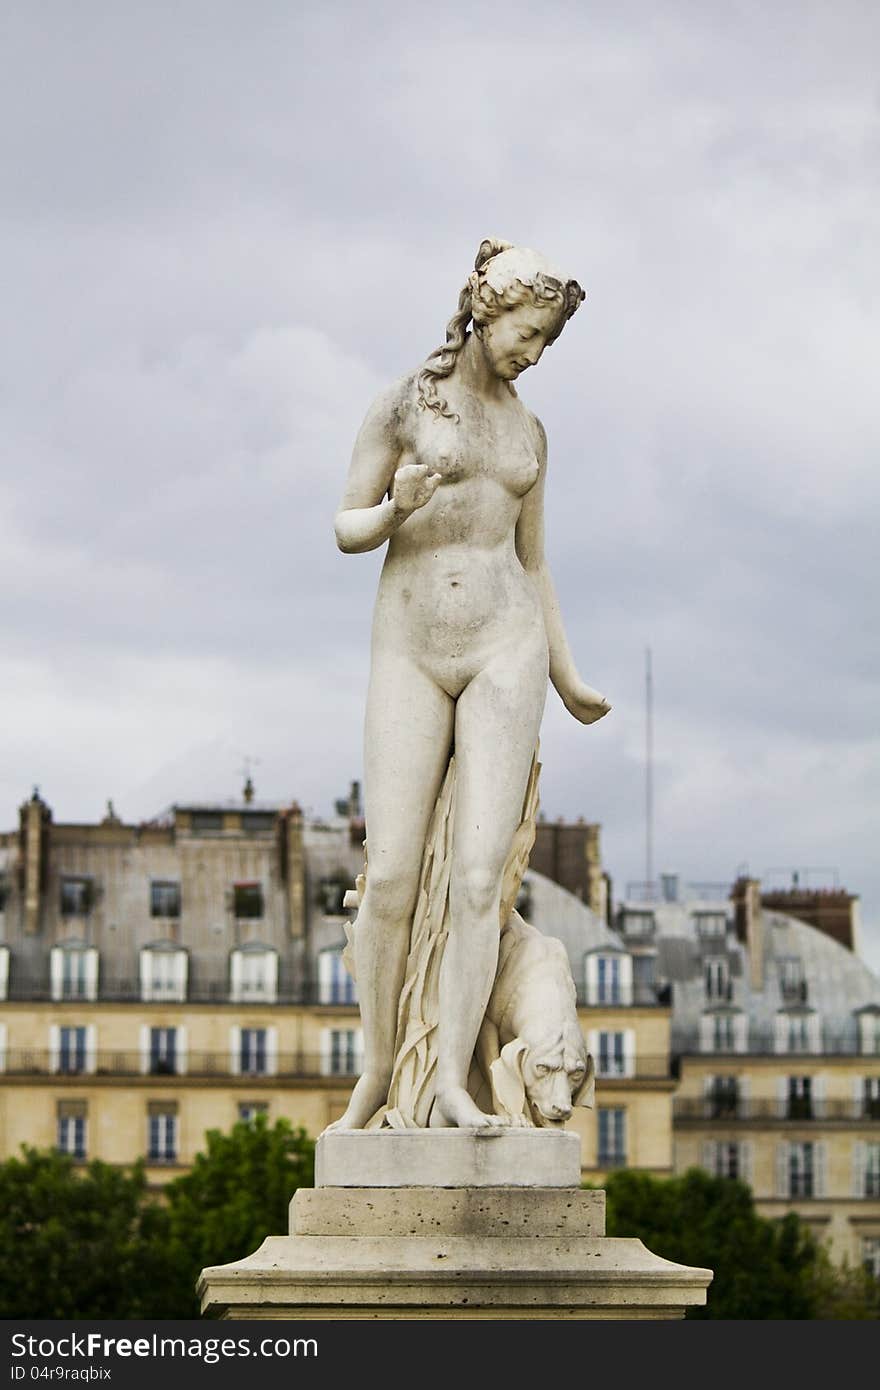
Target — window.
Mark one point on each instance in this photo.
(331, 893)
(73, 972)
(638, 925)
(164, 898)
(335, 985)
(722, 1097)
(724, 1159)
(608, 978)
(798, 1032)
(163, 974)
(71, 1128)
(614, 1052)
(871, 1255)
(710, 926)
(258, 822)
(722, 1033)
(4, 892)
(77, 896)
(612, 1137)
(717, 977)
(162, 1051)
(248, 1110)
(206, 822)
(799, 1105)
(162, 1138)
(341, 1051)
(253, 1051)
(871, 1097)
(791, 979)
(802, 1170)
(253, 976)
(72, 1050)
(724, 1030)
(247, 899)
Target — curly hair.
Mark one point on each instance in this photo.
(480, 303)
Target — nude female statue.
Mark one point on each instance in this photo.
(466, 628)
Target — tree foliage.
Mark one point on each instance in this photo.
(97, 1244)
(763, 1269)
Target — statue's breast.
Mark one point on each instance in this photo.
(470, 449)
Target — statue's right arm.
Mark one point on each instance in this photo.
(368, 515)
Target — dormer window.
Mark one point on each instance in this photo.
(710, 926)
(717, 976)
(253, 974)
(791, 980)
(638, 925)
(163, 974)
(73, 972)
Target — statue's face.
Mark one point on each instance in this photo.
(516, 339)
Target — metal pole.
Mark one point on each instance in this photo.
(649, 772)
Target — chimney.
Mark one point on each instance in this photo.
(749, 922)
(294, 862)
(669, 888)
(354, 801)
(34, 818)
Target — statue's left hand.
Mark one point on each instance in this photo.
(585, 703)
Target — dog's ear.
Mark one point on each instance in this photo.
(508, 1084)
(586, 1091)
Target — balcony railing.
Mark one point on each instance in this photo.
(111, 1062)
(612, 1160)
(762, 1042)
(624, 996)
(30, 989)
(796, 1110)
(304, 1065)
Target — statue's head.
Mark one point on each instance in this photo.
(518, 303)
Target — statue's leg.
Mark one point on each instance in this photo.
(498, 717)
(408, 735)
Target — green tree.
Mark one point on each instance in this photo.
(763, 1269)
(236, 1194)
(74, 1244)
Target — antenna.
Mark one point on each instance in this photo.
(245, 771)
(649, 772)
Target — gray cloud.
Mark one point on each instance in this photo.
(225, 229)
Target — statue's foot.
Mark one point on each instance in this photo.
(369, 1093)
(454, 1108)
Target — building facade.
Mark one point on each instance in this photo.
(162, 979)
(776, 1041)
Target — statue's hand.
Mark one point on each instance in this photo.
(585, 703)
(414, 486)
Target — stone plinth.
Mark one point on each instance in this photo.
(524, 1250)
(448, 1158)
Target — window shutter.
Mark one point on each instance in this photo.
(781, 1097)
(326, 1051)
(271, 967)
(4, 971)
(707, 1033)
(708, 1086)
(2, 1047)
(858, 1095)
(592, 978)
(325, 977)
(145, 1049)
(56, 972)
(91, 973)
(626, 979)
(91, 1047)
(54, 1046)
(236, 974)
(359, 1050)
(593, 1043)
(271, 1051)
(709, 1156)
(146, 973)
(782, 1026)
(235, 1050)
(819, 1107)
(782, 1170)
(741, 1032)
(814, 1032)
(181, 967)
(629, 1052)
(745, 1161)
(819, 1167)
(182, 1040)
(859, 1165)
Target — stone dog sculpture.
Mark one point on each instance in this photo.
(466, 630)
(530, 1051)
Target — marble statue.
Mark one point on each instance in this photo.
(458, 1001)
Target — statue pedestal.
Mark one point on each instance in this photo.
(469, 1247)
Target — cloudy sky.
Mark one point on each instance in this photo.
(226, 226)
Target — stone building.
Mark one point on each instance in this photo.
(164, 978)
(776, 1040)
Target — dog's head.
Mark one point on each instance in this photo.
(545, 1078)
